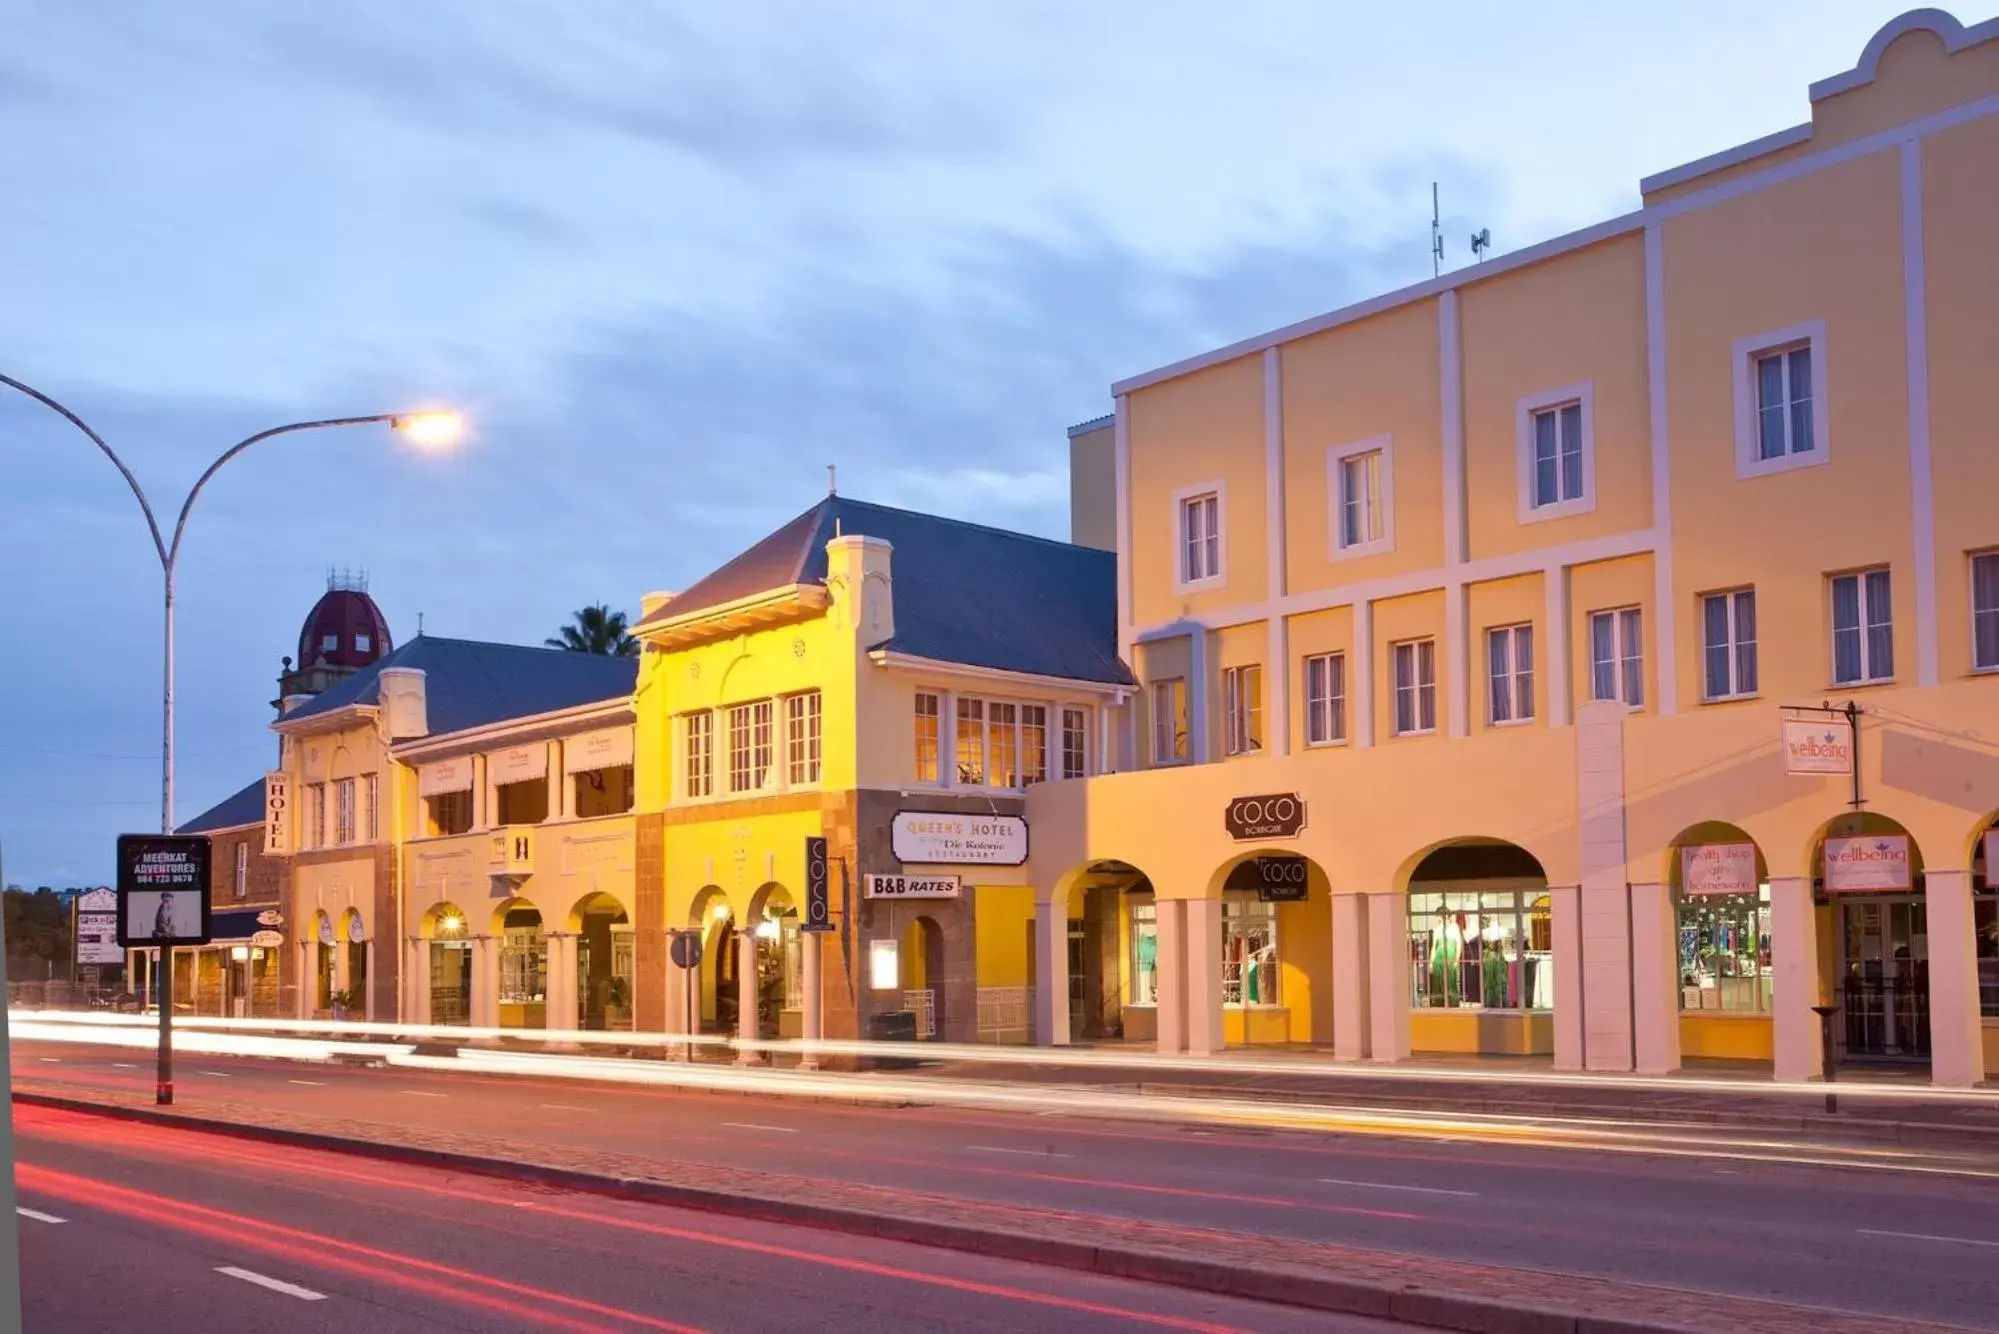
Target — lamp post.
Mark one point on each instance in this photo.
(426, 430)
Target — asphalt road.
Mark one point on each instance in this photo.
(1914, 1236)
(142, 1227)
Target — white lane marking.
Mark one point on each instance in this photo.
(38, 1215)
(274, 1284)
(565, 1107)
(751, 1125)
(1925, 1236)
(52, 1060)
(1383, 1185)
(309, 1083)
(1030, 1153)
(421, 1093)
(214, 1074)
(124, 1065)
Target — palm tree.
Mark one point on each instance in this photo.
(597, 630)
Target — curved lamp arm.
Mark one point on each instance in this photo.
(80, 424)
(170, 553)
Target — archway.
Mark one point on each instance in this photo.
(604, 958)
(1724, 974)
(715, 994)
(1276, 949)
(922, 975)
(354, 944)
(325, 961)
(780, 966)
(1984, 862)
(1868, 871)
(1111, 955)
(1481, 950)
(450, 955)
(523, 979)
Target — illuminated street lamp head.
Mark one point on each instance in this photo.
(431, 430)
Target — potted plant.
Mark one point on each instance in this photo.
(618, 1004)
(340, 1001)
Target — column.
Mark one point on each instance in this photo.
(1957, 1035)
(746, 996)
(560, 797)
(1350, 977)
(1387, 919)
(561, 1009)
(1565, 907)
(485, 1007)
(1051, 971)
(374, 976)
(1655, 985)
(1203, 963)
(1794, 960)
(1172, 1007)
(308, 979)
(814, 1019)
(417, 1006)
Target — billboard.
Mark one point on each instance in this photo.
(97, 928)
(162, 890)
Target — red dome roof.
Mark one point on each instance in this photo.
(344, 629)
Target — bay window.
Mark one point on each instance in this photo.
(927, 719)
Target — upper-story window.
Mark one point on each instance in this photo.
(1360, 486)
(242, 884)
(1985, 611)
(1169, 721)
(1617, 656)
(371, 808)
(1075, 742)
(697, 751)
(343, 812)
(1780, 400)
(1197, 518)
(1728, 644)
(1325, 699)
(801, 738)
(315, 815)
(450, 812)
(750, 746)
(1863, 628)
(1415, 686)
(1509, 661)
(1242, 709)
(329, 644)
(1557, 453)
(1001, 743)
(927, 718)
(363, 643)
(971, 742)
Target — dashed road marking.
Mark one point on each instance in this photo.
(1384, 1185)
(750, 1125)
(421, 1093)
(565, 1107)
(309, 1083)
(38, 1215)
(1029, 1153)
(1926, 1236)
(274, 1284)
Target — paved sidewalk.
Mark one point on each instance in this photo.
(1419, 1290)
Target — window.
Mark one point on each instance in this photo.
(329, 644)
(926, 737)
(972, 742)
(1200, 532)
(1724, 942)
(1509, 655)
(749, 746)
(1558, 455)
(1985, 611)
(1415, 687)
(1784, 403)
(1728, 644)
(1362, 497)
(801, 738)
(1617, 656)
(1169, 721)
(1242, 705)
(1325, 699)
(1000, 743)
(242, 885)
(1075, 743)
(1780, 400)
(697, 747)
(1985, 926)
(450, 812)
(1249, 950)
(1002, 748)
(315, 815)
(1863, 632)
(523, 960)
(1490, 950)
(1144, 949)
(362, 643)
(1033, 744)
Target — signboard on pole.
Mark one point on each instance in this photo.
(910, 886)
(1868, 864)
(1817, 745)
(1718, 868)
(162, 890)
(818, 890)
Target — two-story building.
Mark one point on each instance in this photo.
(1484, 627)
(244, 971)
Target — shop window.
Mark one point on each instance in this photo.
(1325, 699)
(1075, 743)
(1198, 516)
(1728, 644)
(1985, 611)
(750, 746)
(343, 812)
(1249, 950)
(1863, 628)
(523, 962)
(1724, 942)
(1617, 656)
(1509, 656)
(1169, 721)
(801, 738)
(450, 812)
(1415, 686)
(1490, 949)
(927, 718)
(1242, 707)
(697, 748)
(1033, 744)
(1985, 919)
(1144, 949)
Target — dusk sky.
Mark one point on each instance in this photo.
(674, 259)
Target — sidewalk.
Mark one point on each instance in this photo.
(1418, 1290)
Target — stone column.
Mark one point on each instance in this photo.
(418, 1004)
(809, 981)
(1565, 909)
(1203, 962)
(561, 1009)
(1794, 959)
(1604, 1021)
(1957, 1034)
(1171, 921)
(1051, 970)
(484, 1011)
(1387, 920)
(746, 995)
(1350, 990)
(1655, 980)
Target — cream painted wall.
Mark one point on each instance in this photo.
(1093, 488)
(1916, 78)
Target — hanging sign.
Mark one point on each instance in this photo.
(1870, 863)
(1718, 868)
(1282, 880)
(818, 890)
(162, 890)
(1817, 745)
(269, 940)
(445, 776)
(356, 931)
(270, 917)
(277, 814)
(910, 886)
(934, 838)
(607, 749)
(517, 764)
(1271, 815)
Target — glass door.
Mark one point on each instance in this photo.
(1885, 978)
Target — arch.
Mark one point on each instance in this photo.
(1479, 918)
(517, 912)
(767, 893)
(713, 917)
(1496, 851)
(1974, 852)
(1103, 902)
(446, 933)
(604, 961)
(597, 903)
(1701, 834)
(443, 920)
(921, 965)
(1861, 824)
(773, 922)
(710, 902)
(349, 921)
(1277, 947)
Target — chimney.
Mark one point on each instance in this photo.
(401, 691)
(857, 570)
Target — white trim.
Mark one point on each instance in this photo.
(1665, 609)
(517, 731)
(1121, 453)
(1384, 503)
(1809, 334)
(1524, 413)
(1277, 699)
(1555, 656)
(1219, 579)
(1197, 697)
(1728, 157)
(1956, 37)
(1451, 423)
(882, 657)
(1360, 678)
(1457, 650)
(1733, 644)
(1922, 485)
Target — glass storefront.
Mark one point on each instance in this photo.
(1492, 950)
(1144, 950)
(1249, 950)
(1724, 946)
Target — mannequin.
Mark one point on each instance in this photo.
(1493, 961)
(1445, 948)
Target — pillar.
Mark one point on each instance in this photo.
(1350, 977)
(1051, 971)
(814, 1017)
(746, 995)
(417, 1006)
(485, 1007)
(1794, 959)
(1172, 1008)
(561, 1009)
(560, 797)
(308, 978)
(1957, 1034)
(1565, 908)
(1655, 980)
(1203, 963)
(1387, 923)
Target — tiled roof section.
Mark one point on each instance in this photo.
(246, 807)
(472, 684)
(964, 593)
(1094, 424)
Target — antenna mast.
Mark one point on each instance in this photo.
(1436, 234)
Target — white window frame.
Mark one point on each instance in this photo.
(242, 882)
(705, 752)
(1002, 728)
(935, 717)
(1336, 457)
(1735, 643)
(1163, 731)
(1627, 659)
(1242, 715)
(315, 814)
(1971, 591)
(1332, 706)
(1863, 606)
(371, 808)
(759, 746)
(1525, 411)
(1076, 723)
(1421, 691)
(1219, 577)
(1810, 334)
(1518, 684)
(804, 751)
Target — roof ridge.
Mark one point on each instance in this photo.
(968, 523)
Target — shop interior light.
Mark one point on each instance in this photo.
(239, 952)
(767, 929)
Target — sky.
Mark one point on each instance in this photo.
(672, 259)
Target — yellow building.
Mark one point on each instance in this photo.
(1469, 619)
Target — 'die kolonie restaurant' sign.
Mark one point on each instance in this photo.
(937, 838)
(1270, 815)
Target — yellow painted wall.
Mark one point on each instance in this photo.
(1005, 919)
(1727, 1037)
(1991, 1047)
(1474, 1032)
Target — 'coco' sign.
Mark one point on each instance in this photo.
(1271, 815)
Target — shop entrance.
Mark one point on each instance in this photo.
(1884, 983)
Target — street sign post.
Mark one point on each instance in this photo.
(163, 902)
(683, 947)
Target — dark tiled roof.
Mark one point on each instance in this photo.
(246, 807)
(470, 684)
(964, 593)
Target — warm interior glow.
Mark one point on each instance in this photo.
(432, 430)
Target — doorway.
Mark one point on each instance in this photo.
(1884, 981)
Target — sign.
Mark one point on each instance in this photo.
(1818, 746)
(269, 940)
(1282, 880)
(597, 750)
(685, 949)
(934, 838)
(356, 932)
(1272, 815)
(517, 764)
(1718, 868)
(162, 890)
(277, 814)
(100, 899)
(97, 936)
(818, 893)
(909, 886)
(270, 917)
(445, 776)
(1870, 863)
